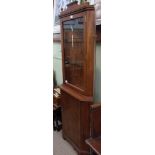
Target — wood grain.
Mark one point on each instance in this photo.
(95, 144)
(77, 92)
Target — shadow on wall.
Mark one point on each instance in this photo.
(97, 86)
(54, 80)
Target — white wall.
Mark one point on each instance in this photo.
(57, 62)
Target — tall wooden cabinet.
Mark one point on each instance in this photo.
(78, 55)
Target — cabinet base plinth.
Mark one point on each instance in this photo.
(76, 148)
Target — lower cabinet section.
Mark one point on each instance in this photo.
(76, 121)
(71, 117)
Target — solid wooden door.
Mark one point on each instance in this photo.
(71, 118)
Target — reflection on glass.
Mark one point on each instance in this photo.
(74, 52)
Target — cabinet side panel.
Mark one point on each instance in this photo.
(90, 52)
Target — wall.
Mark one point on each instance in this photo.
(57, 62)
(97, 91)
(57, 67)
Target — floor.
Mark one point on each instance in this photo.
(61, 146)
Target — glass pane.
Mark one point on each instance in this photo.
(74, 52)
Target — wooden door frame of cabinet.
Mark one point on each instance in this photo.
(67, 18)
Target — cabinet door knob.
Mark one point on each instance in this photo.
(66, 62)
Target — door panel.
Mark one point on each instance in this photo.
(71, 118)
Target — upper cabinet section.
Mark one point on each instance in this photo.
(78, 44)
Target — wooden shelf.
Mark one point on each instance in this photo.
(76, 95)
(95, 144)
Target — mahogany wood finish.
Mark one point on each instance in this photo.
(95, 144)
(83, 51)
(78, 46)
(95, 120)
(75, 120)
